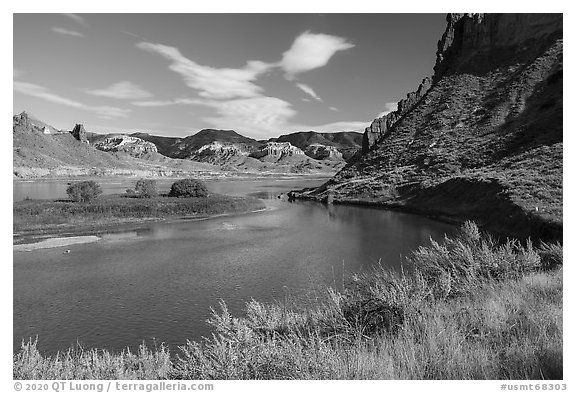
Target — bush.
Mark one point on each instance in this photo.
(146, 188)
(84, 191)
(188, 188)
(550, 255)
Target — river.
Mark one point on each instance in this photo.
(159, 282)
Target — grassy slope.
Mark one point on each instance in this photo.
(472, 309)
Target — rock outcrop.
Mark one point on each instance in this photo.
(220, 153)
(20, 120)
(381, 125)
(133, 146)
(323, 152)
(347, 143)
(276, 151)
(481, 139)
(79, 133)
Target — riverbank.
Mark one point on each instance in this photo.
(471, 309)
(40, 219)
(456, 201)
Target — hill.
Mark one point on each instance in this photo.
(346, 143)
(481, 139)
(36, 154)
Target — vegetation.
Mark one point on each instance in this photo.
(44, 216)
(84, 191)
(470, 308)
(188, 188)
(146, 188)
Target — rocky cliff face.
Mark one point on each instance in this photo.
(133, 146)
(337, 145)
(79, 133)
(381, 125)
(323, 152)
(219, 153)
(481, 139)
(276, 151)
(20, 121)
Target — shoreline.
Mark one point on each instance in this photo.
(547, 231)
(36, 221)
(58, 238)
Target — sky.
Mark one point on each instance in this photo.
(261, 75)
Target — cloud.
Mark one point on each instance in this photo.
(122, 90)
(17, 73)
(339, 126)
(334, 109)
(310, 51)
(264, 117)
(76, 18)
(132, 34)
(60, 30)
(388, 107)
(239, 103)
(176, 101)
(213, 83)
(258, 117)
(33, 90)
(308, 90)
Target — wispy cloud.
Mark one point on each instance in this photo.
(132, 34)
(33, 90)
(176, 101)
(124, 90)
(76, 18)
(334, 109)
(310, 51)
(60, 30)
(308, 90)
(214, 83)
(357, 126)
(258, 117)
(238, 101)
(388, 107)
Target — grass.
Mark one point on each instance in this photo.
(42, 215)
(470, 308)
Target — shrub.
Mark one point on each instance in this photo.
(550, 255)
(84, 191)
(146, 188)
(188, 188)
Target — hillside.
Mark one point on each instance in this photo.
(231, 150)
(481, 139)
(347, 143)
(36, 154)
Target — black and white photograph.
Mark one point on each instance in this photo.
(287, 196)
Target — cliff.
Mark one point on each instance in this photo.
(340, 145)
(133, 146)
(276, 151)
(480, 139)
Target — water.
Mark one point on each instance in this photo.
(160, 282)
